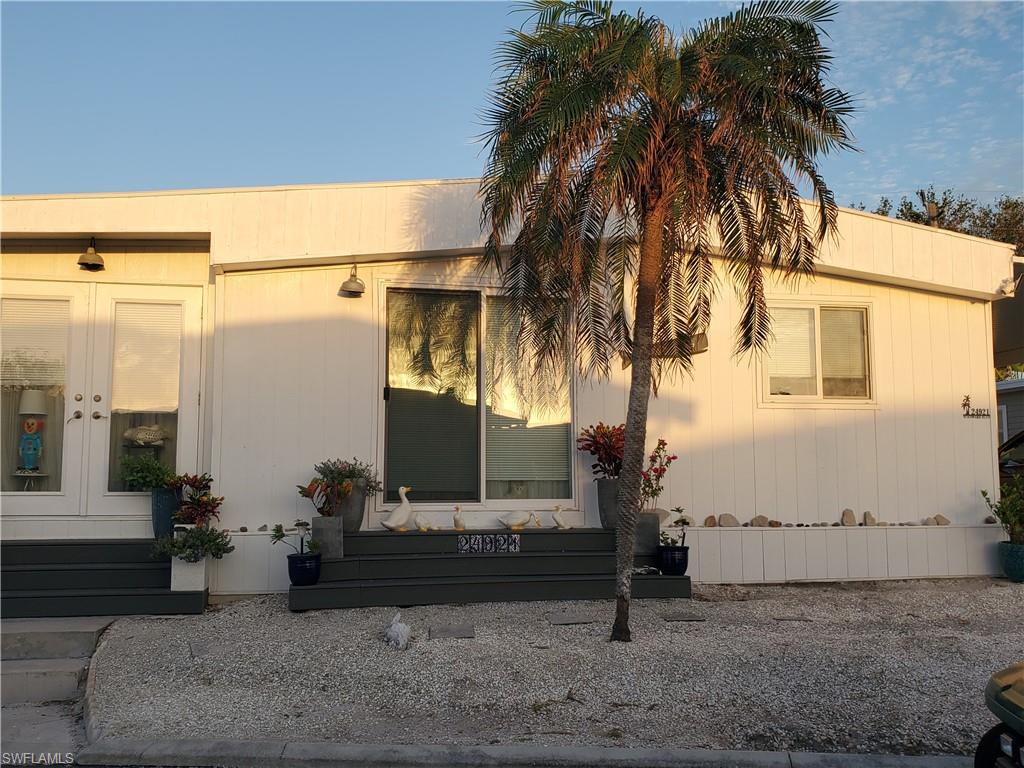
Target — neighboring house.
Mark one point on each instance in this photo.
(216, 338)
(1010, 403)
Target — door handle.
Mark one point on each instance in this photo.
(98, 415)
(75, 415)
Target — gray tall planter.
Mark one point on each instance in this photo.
(353, 506)
(329, 533)
(608, 501)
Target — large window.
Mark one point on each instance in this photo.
(819, 353)
(466, 419)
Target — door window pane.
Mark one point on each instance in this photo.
(791, 360)
(432, 438)
(144, 386)
(844, 359)
(33, 375)
(528, 432)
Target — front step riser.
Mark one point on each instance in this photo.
(41, 686)
(56, 553)
(86, 579)
(468, 566)
(48, 645)
(447, 542)
(101, 605)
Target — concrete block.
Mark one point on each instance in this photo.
(40, 680)
(452, 630)
(73, 637)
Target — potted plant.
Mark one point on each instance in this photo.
(673, 554)
(145, 472)
(189, 549)
(304, 563)
(1009, 510)
(605, 443)
(338, 493)
(198, 505)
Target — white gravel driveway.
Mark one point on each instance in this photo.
(869, 667)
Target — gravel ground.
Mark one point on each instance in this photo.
(870, 667)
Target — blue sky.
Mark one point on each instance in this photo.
(126, 96)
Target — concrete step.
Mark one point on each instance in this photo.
(60, 638)
(40, 680)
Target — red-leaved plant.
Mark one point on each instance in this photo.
(650, 479)
(605, 443)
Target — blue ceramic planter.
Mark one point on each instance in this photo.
(1011, 557)
(166, 502)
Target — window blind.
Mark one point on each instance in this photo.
(792, 369)
(35, 342)
(147, 358)
(844, 352)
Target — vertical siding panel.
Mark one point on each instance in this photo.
(796, 554)
(752, 540)
(849, 479)
(694, 540)
(938, 558)
(902, 251)
(857, 553)
(917, 552)
(732, 555)
(897, 553)
(296, 223)
(744, 460)
(878, 554)
(817, 554)
(956, 551)
(826, 456)
(962, 444)
(943, 411)
(923, 261)
(784, 450)
(867, 448)
(245, 219)
(903, 408)
(711, 556)
(922, 409)
(702, 438)
(774, 542)
(981, 431)
(881, 237)
(270, 240)
(837, 561)
(720, 397)
(885, 464)
(806, 466)
(765, 488)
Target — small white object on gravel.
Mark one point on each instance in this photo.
(880, 667)
(397, 634)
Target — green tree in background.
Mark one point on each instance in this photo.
(622, 157)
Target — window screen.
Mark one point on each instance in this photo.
(791, 360)
(844, 367)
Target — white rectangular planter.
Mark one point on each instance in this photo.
(188, 577)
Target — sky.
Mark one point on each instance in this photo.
(103, 97)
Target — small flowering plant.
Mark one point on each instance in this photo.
(651, 478)
(606, 444)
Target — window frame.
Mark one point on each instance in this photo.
(820, 400)
(484, 288)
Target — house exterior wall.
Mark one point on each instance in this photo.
(303, 382)
(1013, 400)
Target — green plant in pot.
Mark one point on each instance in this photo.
(605, 443)
(338, 493)
(304, 563)
(190, 547)
(673, 554)
(145, 472)
(1009, 510)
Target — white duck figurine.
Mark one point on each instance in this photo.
(516, 521)
(422, 523)
(400, 516)
(559, 521)
(458, 521)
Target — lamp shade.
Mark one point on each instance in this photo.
(352, 287)
(33, 402)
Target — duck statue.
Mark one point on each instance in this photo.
(559, 520)
(422, 523)
(458, 521)
(401, 516)
(516, 521)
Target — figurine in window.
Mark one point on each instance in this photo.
(30, 444)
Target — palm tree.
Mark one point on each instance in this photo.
(623, 157)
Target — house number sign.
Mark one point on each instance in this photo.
(973, 413)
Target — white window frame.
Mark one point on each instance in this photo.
(485, 288)
(819, 400)
(1004, 425)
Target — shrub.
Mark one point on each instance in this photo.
(199, 510)
(335, 480)
(1009, 510)
(192, 485)
(651, 478)
(606, 444)
(144, 472)
(194, 544)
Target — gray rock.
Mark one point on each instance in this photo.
(788, 525)
(848, 518)
(683, 616)
(883, 524)
(941, 520)
(991, 519)
(710, 522)
(869, 518)
(759, 521)
(452, 630)
(726, 520)
(929, 521)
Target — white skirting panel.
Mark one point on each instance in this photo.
(256, 566)
(752, 555)
(75, 527)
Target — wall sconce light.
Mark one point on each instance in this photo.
(91, 261)
(352, 288)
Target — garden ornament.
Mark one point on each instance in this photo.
(516, 521)
(30, 444)
(397, 633)
(559, 521)
(457, 519)
(401, 516)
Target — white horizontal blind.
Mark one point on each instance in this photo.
(844, 352)
(35, 342)
(791, 360)
(147, 358)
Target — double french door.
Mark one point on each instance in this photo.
(99, 384)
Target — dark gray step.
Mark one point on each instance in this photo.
(98, 602)
(446, 542)
(448, 565)
(70, 551)
(404, 592)
(86, 576)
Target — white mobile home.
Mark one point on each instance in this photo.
(216, 330)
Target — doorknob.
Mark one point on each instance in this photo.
(98, 415)
(75, 415)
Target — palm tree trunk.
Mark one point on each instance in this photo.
(633, 451)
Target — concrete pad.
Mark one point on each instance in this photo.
(565, 619)
(39, 729)
(823, 760)
(212, 752)
(42, 680)
(113, 752)
(683, 616)
(791, 618)
(452, 630)
(73, 637)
